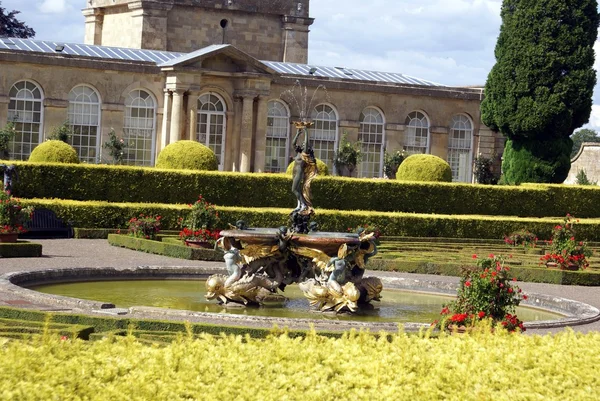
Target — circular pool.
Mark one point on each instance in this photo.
(398, 306)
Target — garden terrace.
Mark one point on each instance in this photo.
(151, 185)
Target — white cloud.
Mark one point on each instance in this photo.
(53, 6)
(594, 119)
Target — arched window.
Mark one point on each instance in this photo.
(210, 128)
(84, 120)
(324, 133)
(139, 128)
(25, 111)
(459, 148)
(278, 132)
(417, 133)
(371, 136)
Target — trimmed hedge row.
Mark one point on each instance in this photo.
(111, 324)
(21, 249)
(134, 184)
(116, 215)
(526, 274)
(164, 248)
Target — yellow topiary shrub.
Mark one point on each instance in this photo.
(187, 155)
(54, 152)
(424, 168)
(323, 169)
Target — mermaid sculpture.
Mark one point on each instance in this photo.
(304, 172)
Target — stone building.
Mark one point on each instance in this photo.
(227, 73)
(586, 160)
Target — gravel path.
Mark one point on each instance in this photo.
(73, 253)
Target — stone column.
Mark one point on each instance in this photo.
(166, 122)
(236, 134)
(94, 20)
(4, 100)
(193, 115)
(176, 116)
(439, 142)
(246, 133)
(260, 140)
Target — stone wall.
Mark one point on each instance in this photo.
(588, 160)
(267, 29)
(57, 82)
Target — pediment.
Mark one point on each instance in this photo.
(219, 58)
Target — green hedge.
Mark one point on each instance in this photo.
(526, 274)
(21, 249)
(115, 215)
(110, 324)
(173, 250)
(134, 184)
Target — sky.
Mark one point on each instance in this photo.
(446, 41)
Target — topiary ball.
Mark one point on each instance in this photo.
(321, 166)
(54, 152)
(424, 168)
(187, 155)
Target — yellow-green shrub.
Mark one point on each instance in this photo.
(54, 152)
(187, 155)
(428, 168)
(321, 166)
(136, 184)
(357, 367)
(115, 215)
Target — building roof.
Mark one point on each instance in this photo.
(165, 59)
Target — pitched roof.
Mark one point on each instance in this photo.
(164, 59)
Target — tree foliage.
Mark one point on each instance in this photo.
(581, 136)
(11, 27)
(542, 84)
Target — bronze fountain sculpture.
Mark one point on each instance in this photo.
(328, 267)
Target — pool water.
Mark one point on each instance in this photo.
(396, 305)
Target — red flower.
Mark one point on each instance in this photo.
(467, 283)
(474, 256)
(445, 311)
(491, 256)
(525, 297)
(481, 315)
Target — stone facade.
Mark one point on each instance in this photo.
(274, 30)
(224, 96)
(245, 95)
(588, 160)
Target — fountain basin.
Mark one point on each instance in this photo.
(327, 242)
(573, 312)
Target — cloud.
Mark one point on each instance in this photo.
(53, 6)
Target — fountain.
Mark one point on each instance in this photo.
(328, 267)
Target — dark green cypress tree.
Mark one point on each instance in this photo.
(541, 88)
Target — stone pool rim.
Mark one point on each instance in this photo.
(574, 312)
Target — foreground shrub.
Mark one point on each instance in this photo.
(187, 155)
(565, 250)
(424, 168)
(13, 216)
(54, 151)
(485, 292)
(354, 367)
(524, 238)
(146, 227)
